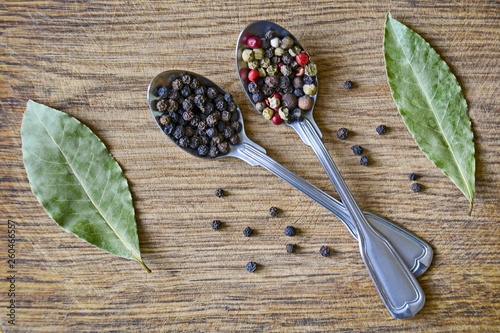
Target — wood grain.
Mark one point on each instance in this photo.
(94, 60)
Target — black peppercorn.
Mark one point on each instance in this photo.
(416, 187)
(348, 85)
(219, 193)
(364, 160)
(162, 92)
(342, 133)
(412, 176)
(202, 90)
(186, 79)
(211, 93)
(290, 248)
(381, 129)
(234, 140)
(307, 79)
(273, 211)
(213, 152)
(185, 91)
(216, 224)
(357, 150)
(194, 83)
(248, 232)
(251, 266)
(161, 105)
(324, 251)
(179, 132)
(194, 142)
(290, 231)
(169, 129)
(203, 150)
(177, 84)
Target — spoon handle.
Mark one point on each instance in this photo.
(397, 287)
(416, 254)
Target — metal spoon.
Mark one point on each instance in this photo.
(397, 287)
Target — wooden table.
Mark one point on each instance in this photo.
(94, 60)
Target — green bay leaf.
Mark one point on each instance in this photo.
(430, 101)
(78, 182)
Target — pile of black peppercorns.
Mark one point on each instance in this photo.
(198, 117)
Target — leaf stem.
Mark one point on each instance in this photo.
(144, 265)
(470, 208)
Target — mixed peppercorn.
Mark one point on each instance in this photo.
(198, 117)
(279, 77)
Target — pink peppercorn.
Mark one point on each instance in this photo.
(253, 42)
(253, 75)
(277, 119)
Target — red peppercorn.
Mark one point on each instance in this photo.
(244, 74)
(277, 95)
(253, 75)
(302, 59)
(277, 119)
(280, 64)
(253, 42)
(245, 37)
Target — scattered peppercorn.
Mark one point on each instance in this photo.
(324, 251)
(416, 187)
(290, 248)
(251, 266)
(290, 231)
(348, 85)
(364, 160)
(412, 176)
(216, 224)
(248, 232)
(357, 150)
(219, 193)
(381, 129)
(273, 211)
(342, 133)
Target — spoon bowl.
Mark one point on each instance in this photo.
(257, 28)
(164, 79)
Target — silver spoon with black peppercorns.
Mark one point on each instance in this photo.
(280, 81)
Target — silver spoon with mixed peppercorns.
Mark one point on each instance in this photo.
(196, 114)
(280, 79)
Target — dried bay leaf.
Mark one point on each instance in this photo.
(78, 182)
(430, 101)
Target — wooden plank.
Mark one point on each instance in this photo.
(94, 61)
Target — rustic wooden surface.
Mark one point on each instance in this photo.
(94, 60)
